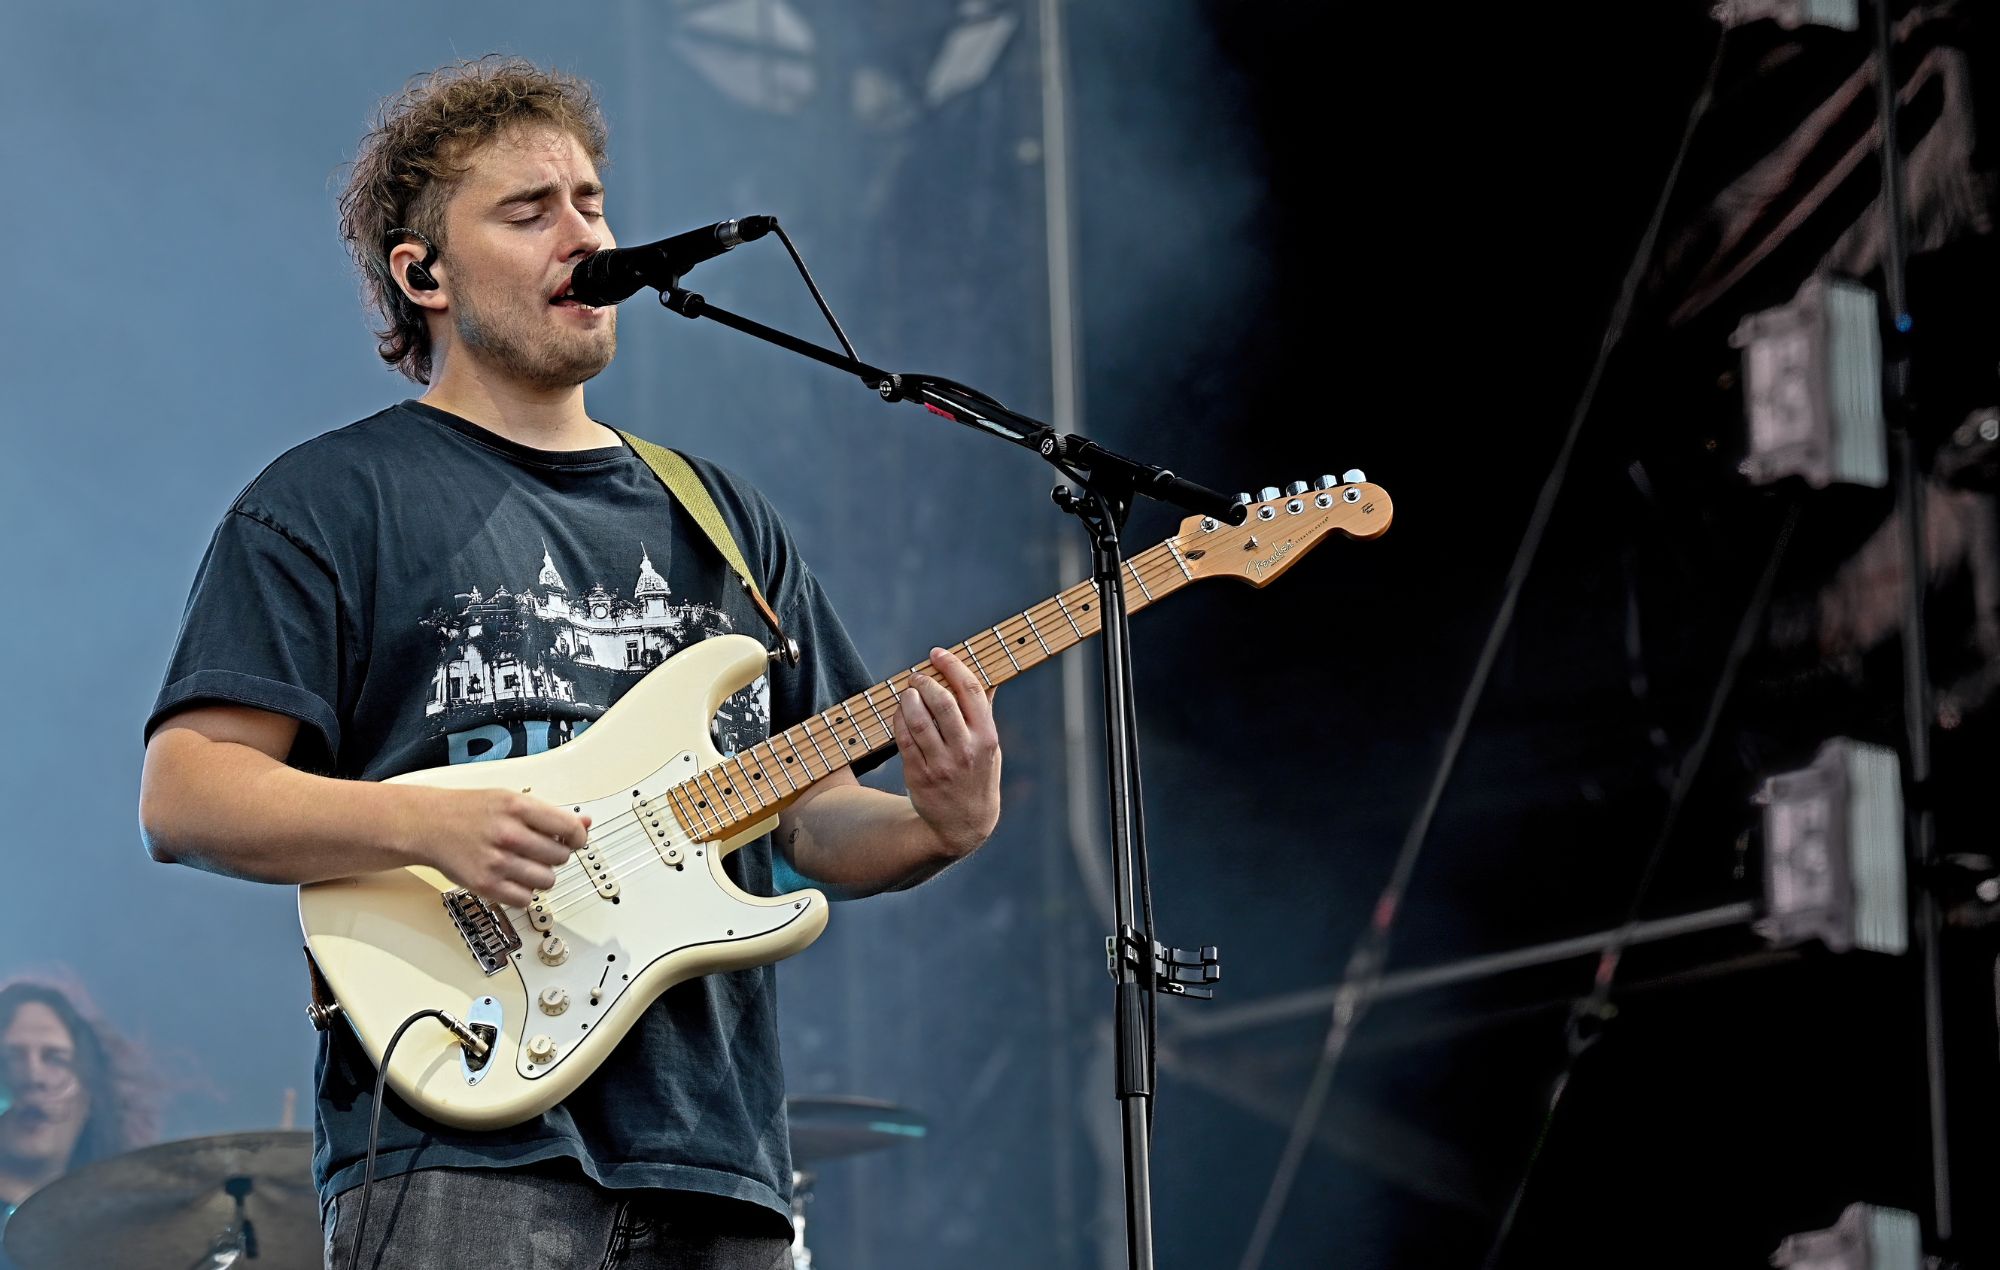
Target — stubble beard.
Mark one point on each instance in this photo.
(531, 352)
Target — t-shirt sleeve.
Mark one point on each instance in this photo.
(261, 630)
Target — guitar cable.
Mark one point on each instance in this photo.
(468, 1038)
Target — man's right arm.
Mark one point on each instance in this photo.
(217, 794)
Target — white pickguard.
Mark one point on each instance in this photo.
(606, 950)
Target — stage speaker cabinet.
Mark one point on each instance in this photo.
(1812, 384)
(1833, 851)
(1865, 1238)
(1791, 14)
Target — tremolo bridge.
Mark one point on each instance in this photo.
(485, 929)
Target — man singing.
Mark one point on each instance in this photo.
(480, 573)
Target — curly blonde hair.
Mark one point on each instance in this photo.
(411, 160)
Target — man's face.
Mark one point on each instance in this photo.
(528, 208)
(38, 1059)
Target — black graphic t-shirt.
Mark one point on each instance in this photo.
(418, 591)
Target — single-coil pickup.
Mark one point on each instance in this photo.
(543, 918)
(599, 871)
(659, 825)
(487, 933)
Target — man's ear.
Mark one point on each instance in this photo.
(420, 283)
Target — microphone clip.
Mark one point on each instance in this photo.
(689, 304)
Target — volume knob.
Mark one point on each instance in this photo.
(553, 950)
(541, 1049)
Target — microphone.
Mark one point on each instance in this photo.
(606, 277)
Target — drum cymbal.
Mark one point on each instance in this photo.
(831, 1127)
(167, 1207)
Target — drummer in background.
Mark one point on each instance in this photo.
(70, 1092)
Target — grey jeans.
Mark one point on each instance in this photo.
(549, 1216)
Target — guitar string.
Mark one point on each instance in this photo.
(1159, 564)
(1156, 565)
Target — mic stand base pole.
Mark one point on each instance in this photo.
(1103, 508)
(1138, 1184)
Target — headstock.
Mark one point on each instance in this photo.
(1282, 527)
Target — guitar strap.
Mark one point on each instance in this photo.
(686, 489)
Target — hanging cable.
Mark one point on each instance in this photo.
(1364, 965)
(1590, 1013)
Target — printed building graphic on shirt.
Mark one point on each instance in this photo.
(520, 671)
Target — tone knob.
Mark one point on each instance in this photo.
(554, 1000)
(541, 1049)
(553, 950)
(1297, 488)
(1353, 476)
(1326, 482)
(1267, 494)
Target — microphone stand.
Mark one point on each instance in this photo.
(1078, 457)
(1106, 483)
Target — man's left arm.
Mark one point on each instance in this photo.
(860, 840)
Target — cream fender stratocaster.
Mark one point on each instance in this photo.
(646, 904)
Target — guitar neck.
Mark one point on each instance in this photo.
(760, 781)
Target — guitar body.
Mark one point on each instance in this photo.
(644, 907)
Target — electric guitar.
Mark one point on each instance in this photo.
(553, 987)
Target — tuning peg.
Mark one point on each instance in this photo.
(1297, 488)
(1267, 494)
(1325, 482)
(1243, 500)
(1353, 476)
